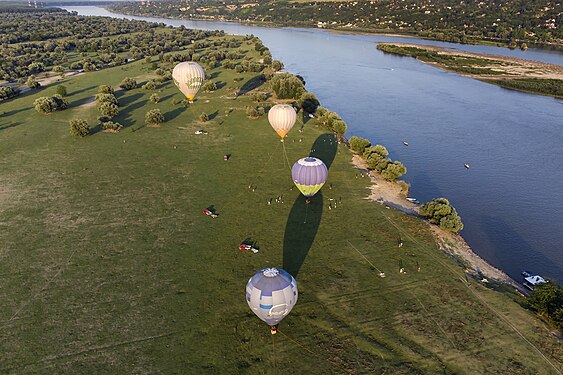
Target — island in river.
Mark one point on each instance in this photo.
(517, 74)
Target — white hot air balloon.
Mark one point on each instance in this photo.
(282, 117)
(271, 294)
(189, 77)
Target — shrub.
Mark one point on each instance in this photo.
(79, 128)
(259, 97)
(154, 117)
(203, 117)
(105, 89)
(58, 69)
(150, 85)
(287, 86)
(108, 109)
(45, 105)
(547, 300)
(358, 144)
(255, 112)
(111, 126)
(61, 90)
(209, 87)
(128, 84)
(277, 65)
(154, 98)
(440, 211)
(62, 103)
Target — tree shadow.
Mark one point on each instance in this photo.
(214, 75)
(325, 148)
(171, 115)
(212, 115)
(8, 126)
(13, 112)
(251, 84)
(300, 231)
(76, 92)
(220, 84)
(304, 219)
(128, 107)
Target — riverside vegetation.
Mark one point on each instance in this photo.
(522, 75)
(512, 23)
(108, 264)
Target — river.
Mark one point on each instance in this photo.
(511, 198)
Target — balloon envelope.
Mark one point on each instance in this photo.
(309, 175)
(189, 77)
(271, 294)
(282, 117)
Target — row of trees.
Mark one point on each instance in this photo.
(377, 158)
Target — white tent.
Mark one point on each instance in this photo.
(535, 280)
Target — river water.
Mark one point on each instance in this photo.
(511, 198)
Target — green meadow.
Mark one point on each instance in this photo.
(108, 265)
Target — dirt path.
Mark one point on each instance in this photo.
(391, 195)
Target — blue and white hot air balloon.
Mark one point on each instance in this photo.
(271, 294)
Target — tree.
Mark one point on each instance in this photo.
(61, 90)
(32, 82)
(154, 98)
(110, 126)
(108, 109)
(45, 105)
(277, 65)
(358, 144)
(79, 128)
(7, 92)
(309, 102)
(547, 300)
(58, 69)
(105, 89)
(393, 171)
(440, 211)
(128, 84)
(62, 103)
(106, 98)
(154, 117)
(287, 86)
(209, 87)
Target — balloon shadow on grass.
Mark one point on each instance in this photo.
(304, 219)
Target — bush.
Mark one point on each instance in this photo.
(203, 117)
(128, 84)
(62, 103)
(259, 97)
(440, 211)
(358, 144)
(79, 128)
(45, 105)
(7, 92)
(150, 85)
(61, 90)
(106, 98)
(154, 117)
(58, 69)
(105, 89)
(209, 87)
(287, 86)
(154, 98)
(108, 109)
(111, 126)
(32, 82)
(255, 112)
(309, 102)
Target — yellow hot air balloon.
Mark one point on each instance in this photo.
(189, 77)
(282, 117)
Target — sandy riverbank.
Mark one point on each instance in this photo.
(505, 67)
(390, 194)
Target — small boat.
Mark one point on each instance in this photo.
(531, 281)
(413, 200)
(405, 143)
(466, 166)
(526, 274)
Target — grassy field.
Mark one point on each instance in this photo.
(109, 266)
